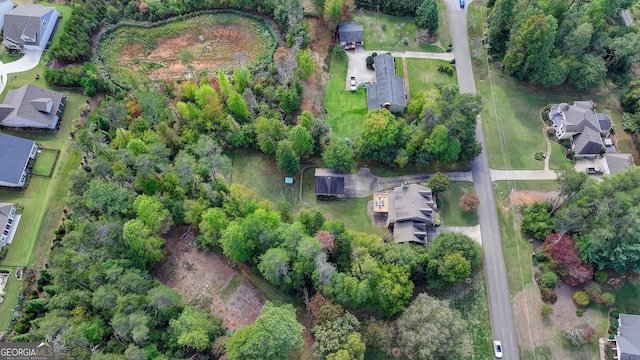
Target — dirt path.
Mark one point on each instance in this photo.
(406, 78)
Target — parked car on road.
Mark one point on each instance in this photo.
(461, 4)
(354, 87)
(497, 348)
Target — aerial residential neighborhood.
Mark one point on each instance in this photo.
(419, 179)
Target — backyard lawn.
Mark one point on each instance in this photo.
(43, 166)
(345, 110)
(386, 32)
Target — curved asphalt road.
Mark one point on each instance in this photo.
(497, 286)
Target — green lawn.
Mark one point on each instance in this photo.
(423, 74)
(449, 204)
(386, 32)
(558, 160)
(444, 27)
(345, 110)
(259, 172)
(11, 289)
(43, 165)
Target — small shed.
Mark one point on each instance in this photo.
(351, 33)
(329, 185)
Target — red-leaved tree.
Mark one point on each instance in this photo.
(469, 202)
(568, 264)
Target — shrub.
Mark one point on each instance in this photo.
(548, 279)
(469, 203)
(21, 328)
(579, 312)
(452, 62)
(339, 52)
(581, 298)
(546, 310)
(608, 299)
(370, 62)
(541, 257)
(581, 334)
(601, 277)
(405, 41)
(3, 252)
(594, 290)
(549, 296)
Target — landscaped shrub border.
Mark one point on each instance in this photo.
(108, 30)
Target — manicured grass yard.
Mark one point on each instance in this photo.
(11, 289)
(43, 165)
(385, 32)
(449, 204)
(345, 110)
(423, 74)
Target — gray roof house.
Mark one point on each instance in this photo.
(580, 123)
(616, 163)
(628, 338)
(329, 184)
(32, 107)
(16, 158)
(411, 210)
(29, 26)
(350, 33)
(388, 91)
(7, 216)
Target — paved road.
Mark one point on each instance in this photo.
(497, 286)
(30, 60)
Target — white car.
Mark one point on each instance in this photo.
(354, 87)
(497, 348)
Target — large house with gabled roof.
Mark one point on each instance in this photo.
(582, 125)
(388, 91)
(29, 26)
(31, 106)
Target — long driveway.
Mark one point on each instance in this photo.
(30, 60)
(497, 286)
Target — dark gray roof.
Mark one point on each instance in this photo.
(31, 106)
(588, 142)
(412, 208)
(23, 23)
(617, 163)
(389, 88)
(330, 185)
(350, 32)
(579, 116)
(14, 155)
(604, 121)
(628, 338)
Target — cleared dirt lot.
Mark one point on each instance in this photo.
(206, 278)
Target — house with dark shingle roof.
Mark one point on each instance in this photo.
(31, 106)
(350, 33)
(16, 158)
(7, 217)
(410, 211)
(329, 184)
(582, 125)
(628, 338)
(388, 91)
(29, 26)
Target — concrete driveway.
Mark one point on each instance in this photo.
(358, 67)
(30, 60)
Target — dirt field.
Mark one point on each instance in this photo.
(202, 276)
(220, 41)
